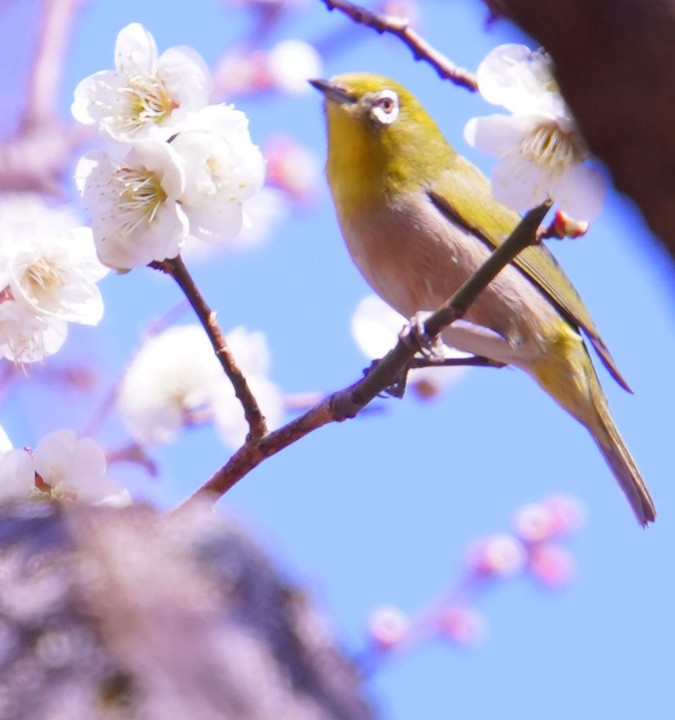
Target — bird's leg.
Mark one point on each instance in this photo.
(415, 336)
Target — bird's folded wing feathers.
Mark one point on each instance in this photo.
(492, 223)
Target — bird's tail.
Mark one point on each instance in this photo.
(569, 377)
(618, 457)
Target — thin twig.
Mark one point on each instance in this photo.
(44, 87)
(175, 267)
(400, 27)
(347, 403)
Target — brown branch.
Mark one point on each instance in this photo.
(400, 27)
(175, 267)
(347, 403)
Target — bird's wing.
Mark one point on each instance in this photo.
(492, 223)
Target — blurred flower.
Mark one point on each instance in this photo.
(540, 150)
(48, 275)
(534, 523)
(132, 196)
(57, 276)
(26, 337)
(5, 442)
(170, 378)
(500, 555)
(463, 625)
(62, 467)
(176, 374)
(375, 328)
(292, 167)
(145, 93)
(252, 356)
(569, 513)
(291, 63)
(222, 168)
(551, 565)
(388, 627)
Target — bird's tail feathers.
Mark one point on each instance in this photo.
(619, 459)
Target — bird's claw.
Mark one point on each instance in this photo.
(415, 337)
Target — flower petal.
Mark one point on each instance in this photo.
(135, 51)
(580, 191)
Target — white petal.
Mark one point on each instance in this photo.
(96, 95)
(17, 475)
(135, 51)
(520, 80)
(217, 222)
(497, 134)
(580, 192)
(187, 78)
(519, 184)
(5, 442)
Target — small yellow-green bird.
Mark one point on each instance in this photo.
(419, 219)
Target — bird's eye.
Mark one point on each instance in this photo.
(385, 107)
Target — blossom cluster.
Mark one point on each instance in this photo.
(48, 278)
(179, 167)
(541, 153)
(531, 549)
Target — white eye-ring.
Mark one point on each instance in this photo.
(385, 107)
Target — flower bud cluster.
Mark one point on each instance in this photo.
(532, 548)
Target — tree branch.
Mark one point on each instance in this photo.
(347, 403)
(400, 27)
(175, 267)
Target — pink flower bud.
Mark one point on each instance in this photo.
(387, 627)
(551, 565)
(462, 625)
(499, 555)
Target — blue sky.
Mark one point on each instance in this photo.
(380, 509)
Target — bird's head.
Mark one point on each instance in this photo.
(379, 132)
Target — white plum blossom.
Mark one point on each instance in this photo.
(62, 467)
(145, 94)
(291, 63)
(48, 277)
(170, 378)
(132, 194)
(253, 358)
(375, 328)
(222, 167)
(27, 337)
(58, 276)
(541, 154)
(175, 376)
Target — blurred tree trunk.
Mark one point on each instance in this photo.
(130, 615)
(614, 61)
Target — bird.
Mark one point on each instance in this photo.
(418, 219)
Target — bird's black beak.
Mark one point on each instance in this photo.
(332, 91)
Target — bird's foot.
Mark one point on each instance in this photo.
(415, 336)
